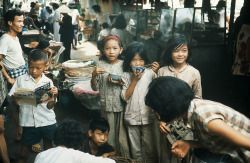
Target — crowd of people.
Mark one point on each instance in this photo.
(153, 112)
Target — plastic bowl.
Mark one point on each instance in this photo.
(25, 29)
(138, 68)
(114, 77)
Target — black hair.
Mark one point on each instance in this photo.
(99, 124)
(220, 5)
(10, 16)
(120, 22)
(32, 4)
(55, 5)
(83, 14)
(103, 56)
(49, 10)
(175, 41)
(96, 8)
(43, 44)
(38, 55)
(105, 25)
(157, 35)
(170, 97)
(71, 134)
(130, 52)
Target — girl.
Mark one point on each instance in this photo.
(110, 90)
(138, 117)
(175, 59)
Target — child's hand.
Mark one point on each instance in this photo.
(98, 71)
(53, 91)
(163, 128)
(15, 99)
(180, 148)
(105, 155)
(119, 82)
(155, 66)
(137, 76)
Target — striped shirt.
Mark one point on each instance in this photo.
(203, 111)
(188, 74)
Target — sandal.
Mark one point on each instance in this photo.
(36, 148)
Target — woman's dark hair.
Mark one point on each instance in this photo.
(96, 8)
(10, 16)
(220, 5)
(99, 124)
(170, 97)
(32, 4)
(106, 39)
(71, 134)
(105, 25)
(38, 55)
(43, 44)
(130, 52)
(174, 42)
(120, 22)
(55, 5)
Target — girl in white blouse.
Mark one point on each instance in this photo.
(138, 117)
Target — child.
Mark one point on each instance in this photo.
(138, 117)
(98, 136)
(104, 33)
(110, 90)
(176, 58)
(69, 138)
(218, 128)
(38, 122)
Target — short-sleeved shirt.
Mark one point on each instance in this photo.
(106, 148)
(34, 116)
(188, 74)
(104, 33)
(109, 92)
(136, 112)
(201, 112)
(74, 15)
(12, 53)
(68, 155)
(102, 18)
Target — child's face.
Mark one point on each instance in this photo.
(137, 61)
(112, 50)
(180, 54)
(99, 137)
(36, 68)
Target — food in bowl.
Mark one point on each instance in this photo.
(114, 77)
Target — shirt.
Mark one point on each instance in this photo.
(34, 116)
(106, 148)
(12, 53)
(68, 155)
(74, 15)
(136, 112)
(104, 33)
(188, 74)
(201, 112)
(123, 35)
(109, 92)
(102, 18)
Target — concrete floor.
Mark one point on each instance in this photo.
(217, 83)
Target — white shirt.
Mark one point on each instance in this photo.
(104, 33)
(12, 53)
(74, 15)
(102, 18)
(31, 116)
(68, 155)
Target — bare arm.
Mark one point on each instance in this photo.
(95, 73)
(181, 147)
(109, 154)
(7, 77)
(227, 133)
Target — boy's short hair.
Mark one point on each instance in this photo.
(96, 8)
(71, 134)
(10, 16)
(83, 15)
(38, 55)
(170, 97)
(105, 25)
(55, 5)
(99, 124)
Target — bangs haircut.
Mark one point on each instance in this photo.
(71, 134)
(10, 16)
(103, 56)
(130, 52)
(38, 55)
(99, 124)
(174, 42)
(170, 97)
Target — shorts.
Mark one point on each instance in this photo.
(33, 135)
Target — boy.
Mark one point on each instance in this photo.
(98, 137)
(222, 131)
(39, 121)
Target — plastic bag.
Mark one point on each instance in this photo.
(89, 98)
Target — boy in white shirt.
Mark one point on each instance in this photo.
(38, 122)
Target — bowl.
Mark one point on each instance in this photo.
(114, 77)
(25, 29)
(138, 68)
